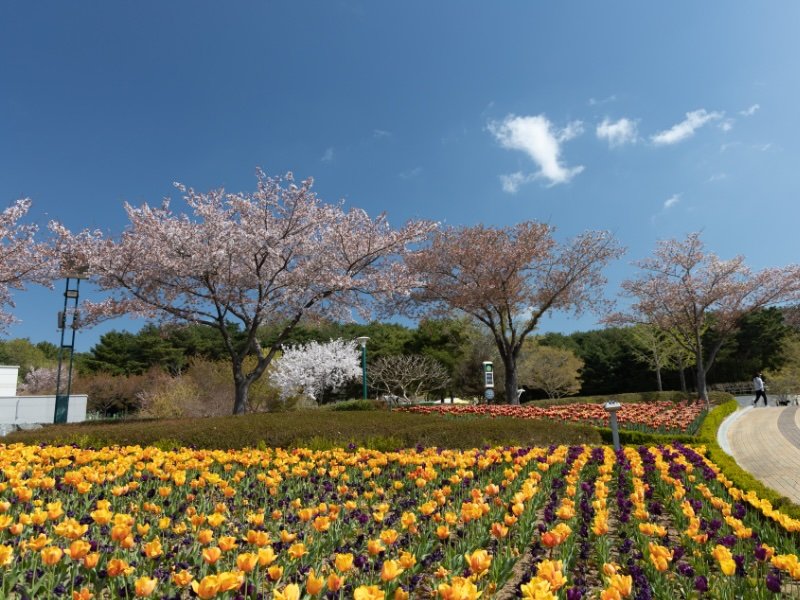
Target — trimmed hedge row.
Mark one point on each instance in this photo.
(380, 430)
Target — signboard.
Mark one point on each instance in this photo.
(488, 394)
(488, 374)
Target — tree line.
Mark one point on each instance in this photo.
(278, 257)
(610, 360)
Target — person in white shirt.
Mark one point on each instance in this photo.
(758, 386)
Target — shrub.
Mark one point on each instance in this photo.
(353, 405)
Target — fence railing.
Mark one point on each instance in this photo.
(737, 388)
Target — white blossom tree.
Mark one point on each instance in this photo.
(314, 367)
(39, 381)
(22, 259)
(272, 256)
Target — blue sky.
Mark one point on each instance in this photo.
(652, 120)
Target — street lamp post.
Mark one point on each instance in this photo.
(62, 388)
(363, 341)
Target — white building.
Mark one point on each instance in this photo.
(24, 410)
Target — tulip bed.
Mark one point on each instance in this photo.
(660, 417)
(536, 523)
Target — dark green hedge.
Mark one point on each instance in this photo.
(318, 428)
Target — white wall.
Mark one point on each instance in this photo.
(8, 380)
(39, 409)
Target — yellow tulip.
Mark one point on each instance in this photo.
(390, 570)
(371, 592)
(6, 555)
(206, 588)
(230, 580)
(297, 550)
(343, 562)
(275, 572)
(145, 586)
(247, 561)
(551, 571)
(460, 588)
(290, 592)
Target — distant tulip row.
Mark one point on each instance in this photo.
(665, 416)
(537, 523)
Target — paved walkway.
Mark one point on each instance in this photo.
(765, 441)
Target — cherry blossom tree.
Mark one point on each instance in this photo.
(508, 278)
(273, 256)
(683, 289)
(22, 259)
(314, 367)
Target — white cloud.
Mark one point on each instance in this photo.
(717, 177)
(513, 181)
(685, 129)
(381, 133)
(411, 173)
(595, 101)
(617, 133)
(726, 125)
(327, 156)
(749, 112)
(671, 201)
(536, 137)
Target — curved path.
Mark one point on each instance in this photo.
(765, 441)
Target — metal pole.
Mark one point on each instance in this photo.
(59, 414)
(615, 431)
(62, 398)
(364, 367)
(72, 341)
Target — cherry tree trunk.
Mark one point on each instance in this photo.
(658, 378)
(701, 382)
(511, 381)
(242, 387)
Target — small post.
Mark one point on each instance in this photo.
(363, 341)
(612, 408)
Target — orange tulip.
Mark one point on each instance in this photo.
(51, 555)
(82, 594)
(117, 566)
(314, 584)
(335, 582)
(182, 578)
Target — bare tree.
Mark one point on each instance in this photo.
(556, 371)
(410, 376)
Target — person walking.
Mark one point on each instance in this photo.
(761, 392)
